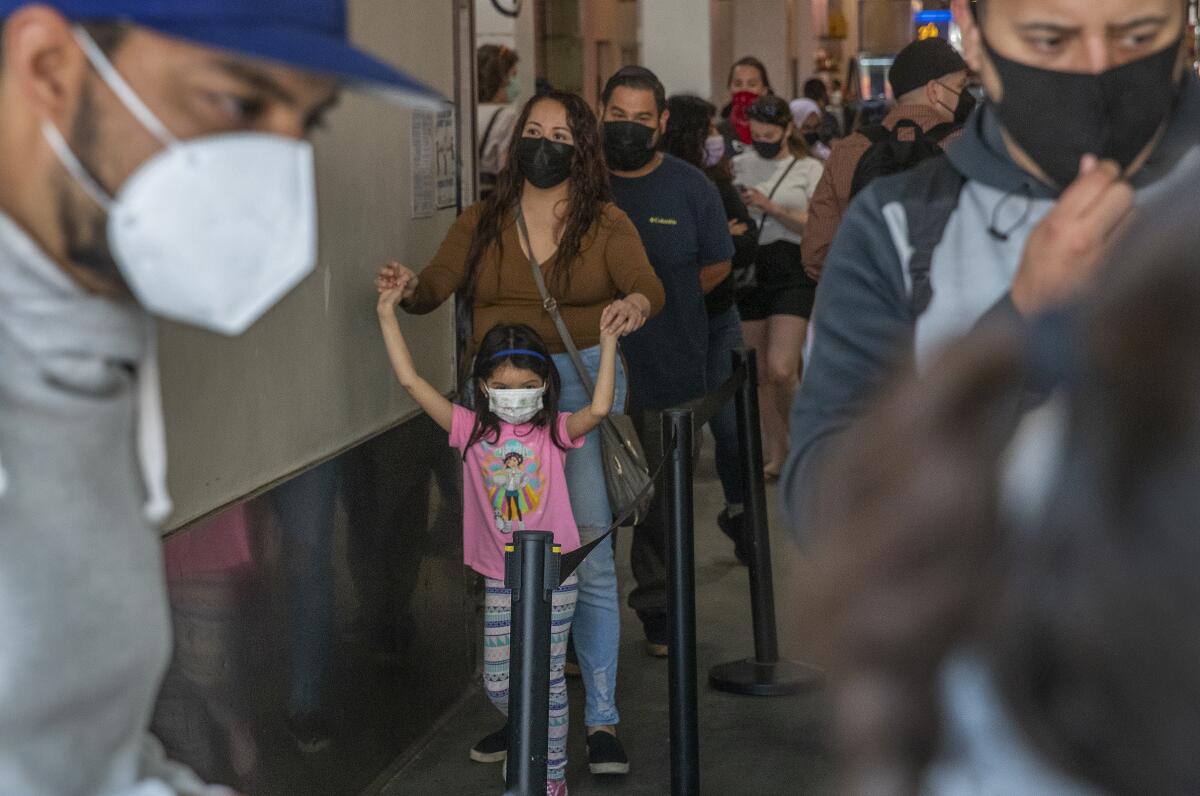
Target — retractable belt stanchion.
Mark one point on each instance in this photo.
(764, 674)
(531, 564)
(681, 606)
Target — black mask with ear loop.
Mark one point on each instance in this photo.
(1058, 117)
(963, 108)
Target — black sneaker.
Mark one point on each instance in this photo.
(658, 632)
(605, 754)
(493, 748)
(310, 732)
(735, 529)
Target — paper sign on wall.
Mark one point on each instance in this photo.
(434, 162)
(422, 166)
(446, 164)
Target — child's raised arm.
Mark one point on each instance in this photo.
(586, 419)
(433, 402)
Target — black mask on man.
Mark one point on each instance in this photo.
(768, 150)
(543, 162)
(1058, 117)
(628, 145)
(964, 106)
(812, 139)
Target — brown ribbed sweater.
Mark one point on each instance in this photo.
(832, 197)
(611, 262)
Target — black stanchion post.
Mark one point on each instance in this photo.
(764, 674)
(681, 607)
(531, 572)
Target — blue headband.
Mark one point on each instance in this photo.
(511, 352)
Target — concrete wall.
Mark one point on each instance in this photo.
(760, 28)
(312, 378)
(885, 26)
(609, 33)
(675, 35)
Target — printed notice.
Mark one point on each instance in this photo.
(423, 156)
(446, 153)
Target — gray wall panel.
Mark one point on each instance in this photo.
(322, 627)
(312, 378)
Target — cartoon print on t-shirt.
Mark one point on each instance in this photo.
(512, 473)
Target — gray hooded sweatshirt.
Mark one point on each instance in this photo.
(863, 326)
(84, 622)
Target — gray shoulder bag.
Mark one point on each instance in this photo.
(626, 472)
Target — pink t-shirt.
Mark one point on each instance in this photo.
(515, 484)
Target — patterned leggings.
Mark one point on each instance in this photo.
(497, 627)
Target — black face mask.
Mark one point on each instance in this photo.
(1058, 117)
(628, 145)
(964, 106)
(543, 162)
(768, 150)
(812, 139)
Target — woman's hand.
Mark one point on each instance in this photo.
(395, 284)
(752, 197)
(738, 228)
(620, 318)
(395, 276)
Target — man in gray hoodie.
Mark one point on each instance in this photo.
(1091, 109)
(159, 163)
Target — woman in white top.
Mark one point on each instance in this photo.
(498, 89)
(776, 180)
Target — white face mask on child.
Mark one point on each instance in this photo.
(516, 406)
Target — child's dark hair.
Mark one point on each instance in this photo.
(520, 346)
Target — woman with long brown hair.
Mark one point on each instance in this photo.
(596, 270)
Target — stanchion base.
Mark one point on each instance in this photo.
(752, 678)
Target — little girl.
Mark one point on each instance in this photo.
(514, 446)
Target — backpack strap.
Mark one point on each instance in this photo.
(876, 133)
(928, 205)
(940, 132)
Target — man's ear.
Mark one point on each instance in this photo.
(44, 63)
(932, 94)
(964, 17)
(662, 122)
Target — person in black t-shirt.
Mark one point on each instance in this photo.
(693, 137)
(683, 225)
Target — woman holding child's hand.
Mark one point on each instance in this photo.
(593, 264)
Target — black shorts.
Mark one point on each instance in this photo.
(780, 285)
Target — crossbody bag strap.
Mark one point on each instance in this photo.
(771, 195)
(552, 307)
(487, 132)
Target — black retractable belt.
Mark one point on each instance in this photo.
(703, 410)
(572, 560)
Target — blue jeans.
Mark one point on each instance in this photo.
(597, 628)
(724, 335)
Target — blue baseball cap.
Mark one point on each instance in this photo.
(306, 34)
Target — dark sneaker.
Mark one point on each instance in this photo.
(657, 634)
(310, 732)
(493, 748)
(605, 754)
(735, 529)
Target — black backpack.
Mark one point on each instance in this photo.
(890, 154)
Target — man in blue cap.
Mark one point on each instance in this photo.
(152, 158)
